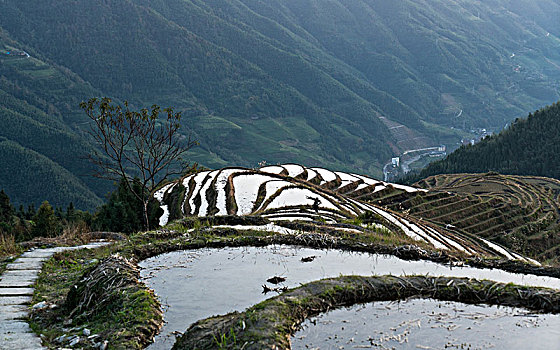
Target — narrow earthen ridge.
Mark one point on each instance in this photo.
(16, 291)
(269, 324)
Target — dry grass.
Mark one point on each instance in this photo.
(72, 234)
(76, 233)
(8, 245)
(99, 291)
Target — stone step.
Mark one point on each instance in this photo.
(18, 300)
(10, 327)
(9, 315)
(26, 260)
(40, 253)
(27, 273)
(17, 281)
(25, 341)
(14, 308)
(29, 264)
(13, 312)
(16, 291)
(16, 294)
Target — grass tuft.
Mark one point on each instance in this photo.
(8, 245)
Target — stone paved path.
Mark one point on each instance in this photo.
(16, 290)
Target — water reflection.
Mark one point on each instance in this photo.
(429, 324)
(193, 285)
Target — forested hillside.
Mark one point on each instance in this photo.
(282, 81)
(42, 156)
(530, 146)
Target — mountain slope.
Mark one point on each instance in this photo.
(205, 79)
(414, 51)
(529, 147)
(330, 83)
(34, 176)
(35, 119)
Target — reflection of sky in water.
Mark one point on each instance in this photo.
(193, 285)
(429, 324)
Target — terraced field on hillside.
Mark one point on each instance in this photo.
(283, 194)
(519, 212)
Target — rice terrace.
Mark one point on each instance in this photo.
(289, 243)
(279, 174)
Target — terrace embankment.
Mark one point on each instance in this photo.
(519, 212)
(292, 192)
(269, 324)
(70, 269)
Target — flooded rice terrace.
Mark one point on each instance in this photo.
(429, 324)
(196, 284)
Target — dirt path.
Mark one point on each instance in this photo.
(16, 291)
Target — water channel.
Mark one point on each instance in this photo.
(196, 284)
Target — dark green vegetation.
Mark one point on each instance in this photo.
(25, 224)
(268, 325)
(519, 212)
(299, 80)
(529, 146)
(123, 211)
(43, 158)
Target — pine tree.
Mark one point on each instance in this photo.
(123, 211)
(70, 212)
(21, 212)
(46, 224)
(6, 209)
(31, 211)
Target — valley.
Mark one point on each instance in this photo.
(279, 174)
(275, 81)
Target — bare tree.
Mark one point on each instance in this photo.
(137, 146)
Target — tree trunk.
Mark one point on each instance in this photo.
(146, 222)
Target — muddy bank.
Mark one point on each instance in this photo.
(270, 323)
(230, 237)
(114, 284)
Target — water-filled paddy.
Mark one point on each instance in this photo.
(429, 324)
(193, 285)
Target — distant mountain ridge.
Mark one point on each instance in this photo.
(282, 81)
